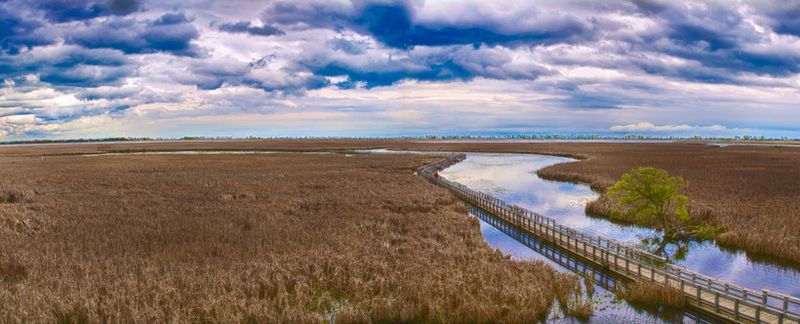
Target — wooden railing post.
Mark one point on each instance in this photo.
(785, 303)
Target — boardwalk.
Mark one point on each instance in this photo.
(707, 294)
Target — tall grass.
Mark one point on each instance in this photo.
(750, 191)
(11, 197)
(653, 294)
(571, 300)
(744, 197)
(12, 272)
(252, 238)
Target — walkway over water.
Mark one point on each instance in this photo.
(707, 294)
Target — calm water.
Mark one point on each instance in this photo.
(512, 177)
(607, 308)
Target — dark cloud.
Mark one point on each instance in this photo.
(17, 33)
(123, 7)
(246, 27)
(717, 37)
(444, 71)
(380, 43)
(85, 75)
(322, 14)
(445, 64)
(582, 100)
(785, 17)
(296, 87)
(171, 33)
(71, 10)
(209, 75)
(392, 23)
(70, 66)
(261, 74)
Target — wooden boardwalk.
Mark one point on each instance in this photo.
(706, 294)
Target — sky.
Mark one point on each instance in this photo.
(145, 68)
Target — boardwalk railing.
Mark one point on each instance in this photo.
(709, 294)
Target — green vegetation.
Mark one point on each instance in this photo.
(651, 197)
(749, 192)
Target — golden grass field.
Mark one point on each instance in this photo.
(290, 237)
(750, 191)
(249, 238)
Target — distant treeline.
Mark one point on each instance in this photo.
(427, 137)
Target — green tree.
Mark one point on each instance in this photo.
(651, 197)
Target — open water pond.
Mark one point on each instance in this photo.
(512, 177)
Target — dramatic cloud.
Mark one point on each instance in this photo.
(393, 24)
(171, 33)
(17, 32)
(372, 67)
(68, 66)
(69, 10)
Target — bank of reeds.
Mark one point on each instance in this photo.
(744, 197)
(251, 238)
(652, 294)
(750, 191)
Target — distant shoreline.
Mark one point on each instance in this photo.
(427, 139)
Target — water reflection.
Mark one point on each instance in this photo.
(607, 308)
(512, 178)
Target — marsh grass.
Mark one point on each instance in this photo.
(699, 224)
(12, 272)
(589, 282)
(571, 300)
(652, 294)
(743, 197)
(12, 197)
(751, 192)
(253, 238)
(73, 316)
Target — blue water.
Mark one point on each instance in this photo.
(607, 308)
(512, 177)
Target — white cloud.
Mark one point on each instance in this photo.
(650, 127)
(631, 71)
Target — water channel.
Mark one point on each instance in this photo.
(512, 177)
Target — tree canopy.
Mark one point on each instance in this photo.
(650, 196)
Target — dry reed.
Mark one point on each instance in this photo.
(652, 293)
(571, 300)
(250, 238)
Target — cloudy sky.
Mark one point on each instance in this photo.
(99, 68)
